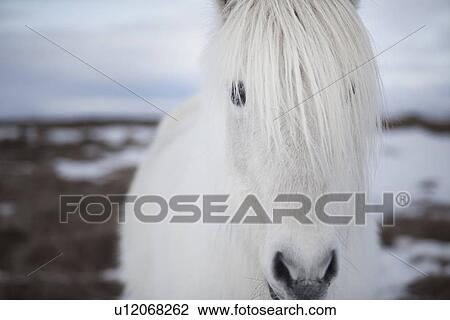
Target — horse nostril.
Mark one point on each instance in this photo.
(332, 268)
(280, 270)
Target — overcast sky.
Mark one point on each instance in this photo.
(153, 47)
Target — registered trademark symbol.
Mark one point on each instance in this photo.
(403, 199)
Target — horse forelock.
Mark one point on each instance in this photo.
(311, 83)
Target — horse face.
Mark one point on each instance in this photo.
(285, 133)
(270, 61)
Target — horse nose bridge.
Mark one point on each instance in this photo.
(304, 246)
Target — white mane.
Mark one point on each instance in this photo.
(301, 63)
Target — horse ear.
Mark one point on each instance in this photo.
(355, 3)
(222, 3)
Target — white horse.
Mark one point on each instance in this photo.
(290, 105)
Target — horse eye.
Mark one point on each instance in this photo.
(238, 96)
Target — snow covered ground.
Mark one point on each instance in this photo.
(76, 170)
(415, 161)
(410, 260)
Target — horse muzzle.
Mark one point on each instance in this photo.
(284, 286)
(301, 290)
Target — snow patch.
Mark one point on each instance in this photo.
(64, 136)
(410, 260)
(7, 209)
(90, 170)
(417, 162)
(9, 133)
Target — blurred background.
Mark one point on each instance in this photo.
(66, 129)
